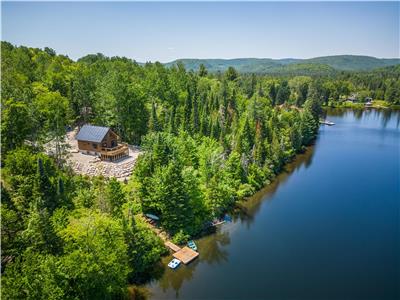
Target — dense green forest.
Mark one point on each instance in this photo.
(208, 140)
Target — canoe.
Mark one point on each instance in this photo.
(227, 218)
(192, 245)
(153, 217)
(173, 264)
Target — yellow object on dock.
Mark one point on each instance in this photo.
(186, 255)
(172, 246)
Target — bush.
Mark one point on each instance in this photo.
(180, 238)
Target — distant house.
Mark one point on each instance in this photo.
(102, 142)
(352, 98)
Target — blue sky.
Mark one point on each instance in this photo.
(167, 31)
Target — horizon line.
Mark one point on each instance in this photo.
(198, 58)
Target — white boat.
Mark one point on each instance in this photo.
(173, 264)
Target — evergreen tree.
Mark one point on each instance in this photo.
(202, 70)
(45, 188)
(153, 122)
(283, 93)
(195, 116)
(231, 74)
(115, 197)
(187, 110)
(272, 93)
(246, 141)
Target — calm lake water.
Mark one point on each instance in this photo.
(327, 228)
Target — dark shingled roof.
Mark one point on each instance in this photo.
(92, 133)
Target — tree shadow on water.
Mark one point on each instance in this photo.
(173, 279)
(246, 210)
(211, 252)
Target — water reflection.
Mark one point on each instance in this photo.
(174, 279)
(385, 115)
(212, 252)
(247, 210)
(212, 249)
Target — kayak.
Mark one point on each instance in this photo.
(173, 264)
(192, 245)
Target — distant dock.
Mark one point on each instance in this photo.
(326, 122)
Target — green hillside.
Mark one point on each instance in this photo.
(353, 62)
(318, 66)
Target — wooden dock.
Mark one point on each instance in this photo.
(186, 255)
(172, 246)
(326, 122)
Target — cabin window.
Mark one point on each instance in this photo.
(105, 145)
(94, 146)
(113, 144)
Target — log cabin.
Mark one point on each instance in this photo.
(102, 142)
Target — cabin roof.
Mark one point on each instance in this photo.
(92, 133)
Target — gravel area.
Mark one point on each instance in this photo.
(93, 166)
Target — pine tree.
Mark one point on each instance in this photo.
(195, 116)
(272, 93)
(202, 70)
(204, 131)
(313, 106)
(309, 127)
(283, 93)
(246, 137)
(260, 151)
(215, 129)
(175, 203)
(115, 197)
(153, 122)
(172, 123)
(44, 188)
(187, 110)
(231, 74)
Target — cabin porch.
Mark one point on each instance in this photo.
(115, 153)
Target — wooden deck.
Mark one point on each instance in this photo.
(112, 154)
(172, 246)
(186, 255)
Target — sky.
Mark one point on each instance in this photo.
(166, 31)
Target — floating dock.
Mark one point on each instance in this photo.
(172, 246)
(325, 122)
(186, 255)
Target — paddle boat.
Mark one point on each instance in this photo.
(173, 264)
(192, 245)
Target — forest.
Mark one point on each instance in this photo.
(209, 140)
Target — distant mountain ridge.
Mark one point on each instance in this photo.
(323, 64)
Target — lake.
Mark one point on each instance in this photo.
(326, 228)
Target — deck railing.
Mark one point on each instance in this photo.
(122, 147)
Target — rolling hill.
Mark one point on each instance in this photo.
(318, 65)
